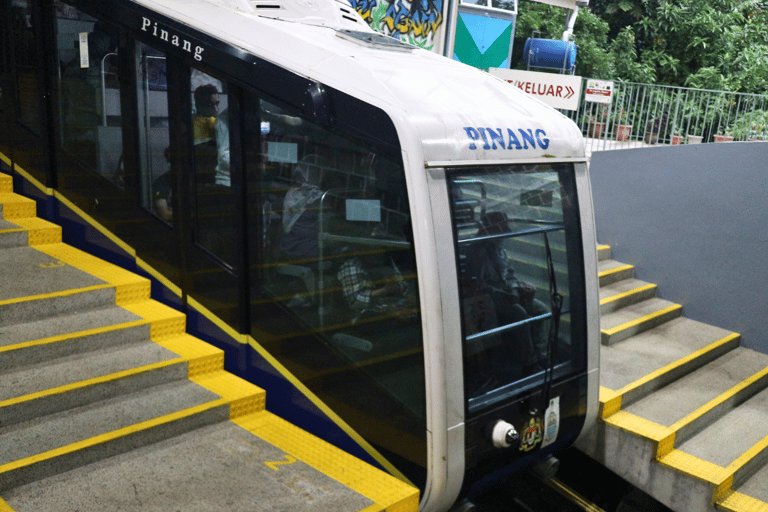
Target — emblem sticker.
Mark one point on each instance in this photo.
(531, 435)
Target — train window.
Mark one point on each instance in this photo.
(27, 67)
(338, 293)
(215, 221)
(512, 227)
(156, 177)
(89, 107)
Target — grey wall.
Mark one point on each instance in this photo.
(694, 220)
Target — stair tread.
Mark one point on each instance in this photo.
(608, 291)
(757, 485)
(633, 312)
(609, 264)
(734, 433)
(29, 272)
(80, 367)
(647, 352)
(4, 224)
(65, 324)
(64, 428)
(682, 397)
(226, 465)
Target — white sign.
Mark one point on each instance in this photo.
(598, 91)
(557, 91)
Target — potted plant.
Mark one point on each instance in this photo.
(620, 122)
(596, 120)
(694, 139)
(723, 137)
(677, 136)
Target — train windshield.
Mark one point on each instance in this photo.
(521, 281)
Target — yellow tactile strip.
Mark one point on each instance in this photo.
(40, 231)
(385, 490)
(244, 398)
(129, 287)
(734, 502)
(6, 184)
(203, 358)
(164, 320)
(16, 206)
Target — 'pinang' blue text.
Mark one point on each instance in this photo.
(495, 138)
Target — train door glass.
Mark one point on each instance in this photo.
(89, 108)
(27, 65)
(156, 177)
(214, 215)
(517, 237)
(334, 276)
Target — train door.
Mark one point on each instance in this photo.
(5, 70)
(105, 99)
(28, 33)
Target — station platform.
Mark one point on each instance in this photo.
(107, 404)
(683, 408)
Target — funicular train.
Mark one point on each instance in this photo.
(409, 239)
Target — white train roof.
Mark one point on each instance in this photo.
(455, 112)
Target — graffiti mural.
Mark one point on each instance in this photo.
(415, 21)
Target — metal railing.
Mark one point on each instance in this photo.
(642, 115)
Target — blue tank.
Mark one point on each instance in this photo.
(550, 53)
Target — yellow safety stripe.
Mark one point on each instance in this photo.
(638, 321)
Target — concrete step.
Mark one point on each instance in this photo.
(697, 400)
(750, 493)
(231, 468)
(746, 452)
(648, 361)
(60, 384)
(603, 252)
(28, 231)
(636, 318)
(90, 322)
(623, 293)
(61, 441)
(610, 271)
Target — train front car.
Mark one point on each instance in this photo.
(508, 269)
(423, 255)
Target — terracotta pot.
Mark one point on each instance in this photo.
(677, 140)
(723, 138)
(596, 130)
(623, 131)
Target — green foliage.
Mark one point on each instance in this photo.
(716, 44)
(751, 125)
